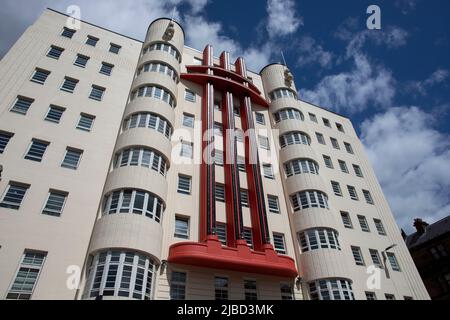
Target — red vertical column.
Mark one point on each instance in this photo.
(207, 175)
(261, 235)
(235, 225)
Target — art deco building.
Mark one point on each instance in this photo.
(158, 171)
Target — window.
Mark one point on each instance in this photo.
(134, 201)
(244, 198)
(348, 147)
(289, 113)
(331, 289)
(14, 196)
(148, 120)
(286, 292)
(55, 203)
(320, 138)
(120, 274)
(438, 252)
(336, 188)
(346, 220)
(274, 204)
(301, 166)
(375, 258)
(27, 276)
(343, 166)
(81, 61)
(86, 121)
(97, 93)
(321, 238)
(69, 85)
(106, 69)
(40, 75)
(186, 150)
(334, 143)
(92, 41)
(184, 184)
(260, 118)
(181, 227)
(217, 105)
(393, 261)
(363, 223)
(328, 162)
(218, 129)
(358, 171)
(163, 47)
(282, 93)
(264, 142)
(326, 122)
(68, 33)
(250, 290)
(114, 48)
(248, 236)
(22, 105)
(157, 93)
(278, 243)
(357, 255)
(389, 296)
(55, 52)
(197, 61)
(36, 150)
(220, 192)
(221, 231)
(371, 295)
(339, 127)
(309, 199)
(236, 111)
(221, 288)
(4, 140)
(72, 158)
(380, 227)
(159, 67)
(352, 193)
(312, 117)
(188, 120)
(218, 157)
(295, 137)
(368, 196)
(408, 298)
(268, 171)
(189, 95)
(141, 156)
(54, 113)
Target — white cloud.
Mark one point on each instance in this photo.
(282, 18)
(436, 78)
(310, 52)
(406, 6)
(412, 163)
(354, 91)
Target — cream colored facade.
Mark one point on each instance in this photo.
(84, 236)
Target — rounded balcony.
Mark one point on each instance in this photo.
(314, 218)
(295, 151)
(304, 181)
(157, 79)
(142, 105)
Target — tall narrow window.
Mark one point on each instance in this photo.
(379, 226)
(4, 140)
(393, 261)
(278, 243)
(348, 147)
(54, 113)
(36, 150)
(55, 203)
(328, 162)
(184, 184)
(335, 143)
(248, 236)
(358, 170)
(264, 142)
(268, 171)
(340, 127)
(336, 188)
(72, 158)
(244, 198)
(286, 292)
(189, 95)
(368, 196)
(186, 150)
(97, 93)
(260, 118)
(250, 290)
(343, 166)
(363, 223)
(181, 227)
(352, 193)
(14, 195)
(40, 75)
(274, 204)
(178, 285)
(85, 122)
(221, 288)
(375, 258)
(188, 120)
(312, 117)
(326, 122)
(220, 192)
(357, 255)
(221, 231)
(320, 138)
(27, 276)
(21, 105)
(346, 220)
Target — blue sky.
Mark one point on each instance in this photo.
(393, 83)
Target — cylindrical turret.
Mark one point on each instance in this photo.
(127, 238)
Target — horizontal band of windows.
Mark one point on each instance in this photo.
(294, 137)
(282, 93)
(331, 289)
(309, 199)
(320, 238)
(149, 120)
(159, 67)
(288, 113)
(139, 156)
(170, 49)
(155, 93)
(301, 166)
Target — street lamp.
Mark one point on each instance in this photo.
(385, 258)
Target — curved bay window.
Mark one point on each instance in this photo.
(309, 199)
(320, 238)
(301, 166)
(159, 67)
(295, 137)
(140, 156)
(331, 289)
(148, 120)
(288, 113)
(155, 93)
(170, 49)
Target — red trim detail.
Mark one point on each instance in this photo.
(221, 72)
(213, 255)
